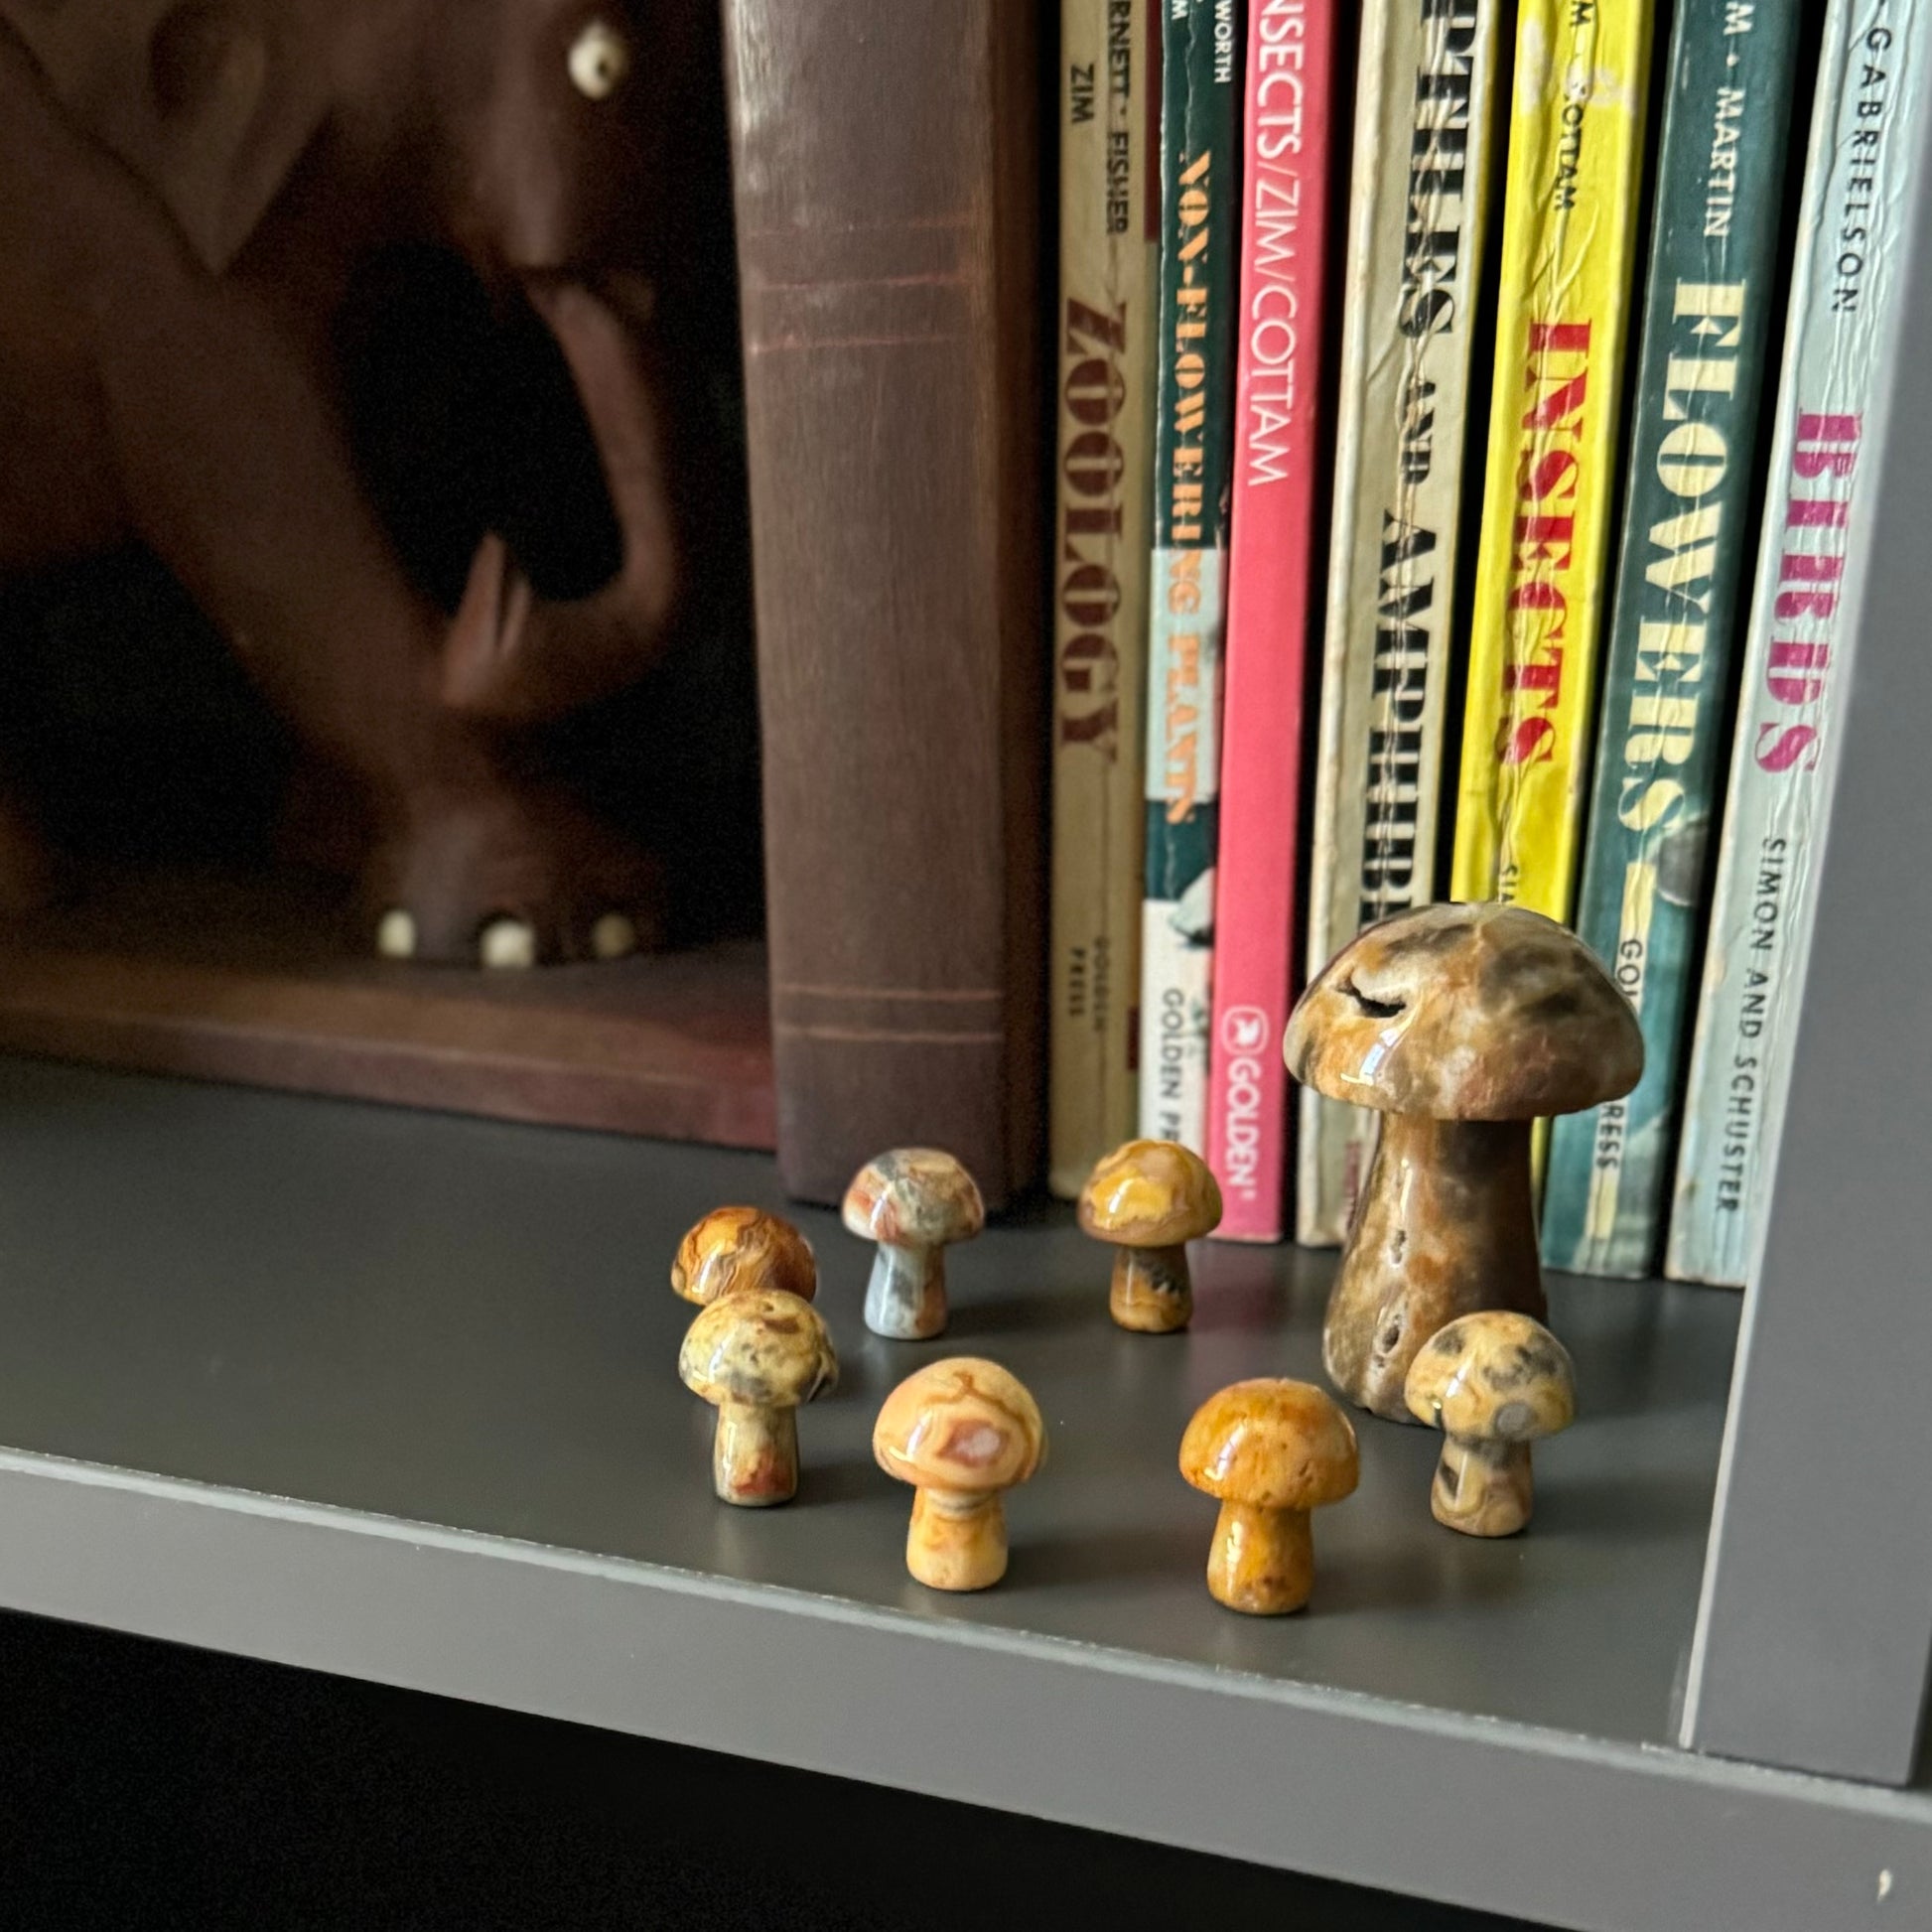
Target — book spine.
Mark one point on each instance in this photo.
(890, 287)
(1109, 108)
(1200, 121)
(1708, 311)
(1569, 223)
(1851, 252)
(1420, 190)
(1271, 583)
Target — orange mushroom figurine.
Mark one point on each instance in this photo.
(1494, 1383)
(736, 1248)
(756, 1356)
(962, 1432)
(1150, 1198)
(1272, 1452)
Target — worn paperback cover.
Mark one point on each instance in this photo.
(1708, 315)
(1200, 123)
(1425, 105)
(1569, 223)
(1109, 116)
(1271, 600)
(1851, 250)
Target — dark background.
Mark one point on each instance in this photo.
(142, 1784)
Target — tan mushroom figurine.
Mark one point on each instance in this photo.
(756, 1356)
(1494, 1383)
(1150, 1198)
(915, 1203)
(1461, 1025)
(962, 1432)
(736, 1248)
(1271, 1451)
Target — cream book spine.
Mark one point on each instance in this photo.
(1109, 236)
(1424, 108)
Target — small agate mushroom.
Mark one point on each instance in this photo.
(1460, 1024)
(961, 1430)
(1272, 1452)
(754, 1356)
(1150, 1198)
(915, 1203)
(1494, 1383)
(736, 1248)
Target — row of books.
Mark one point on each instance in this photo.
(1271, 487)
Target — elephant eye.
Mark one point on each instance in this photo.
(600, 58)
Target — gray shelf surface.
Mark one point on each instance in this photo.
(393, 1395)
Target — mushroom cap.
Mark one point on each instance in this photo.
(1151, 1195)
(964, 1423)
(1276, 1444)
(760, 1346)
(915, 1198)
(1465, 1013)
(736, 1248)
(1495, 1377)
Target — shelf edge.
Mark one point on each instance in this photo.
(1504, 1817)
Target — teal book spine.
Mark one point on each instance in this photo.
(1200, 117)
(1678, 603)
(1800, 649)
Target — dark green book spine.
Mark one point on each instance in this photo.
(1709, 307)
(1200, 120)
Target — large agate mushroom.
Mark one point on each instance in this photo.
(1461, 1025)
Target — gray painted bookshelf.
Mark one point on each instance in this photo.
(390, 1395)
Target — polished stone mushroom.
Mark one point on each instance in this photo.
(915, 1203)
(1271, 1451)
(1148, 1199)
(1494, 1383)
(962, 1432)
(736, 1248)
(756, 1356)
(1461, 1025)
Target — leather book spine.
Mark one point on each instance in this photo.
(886, 188)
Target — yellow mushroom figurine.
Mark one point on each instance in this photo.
(736, 1248)
(962, 1432)
(1271, 1451)
(1494, 1383)
(1148, 1199)
(756, 1356)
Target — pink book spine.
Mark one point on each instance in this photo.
(1271, 573)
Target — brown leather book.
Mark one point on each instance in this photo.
(888, 200)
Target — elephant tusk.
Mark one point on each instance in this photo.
(518, 659)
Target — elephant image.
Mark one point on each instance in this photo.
(201, 202)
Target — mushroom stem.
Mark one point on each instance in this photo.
(1445, 1227)
(754, 1455)
(1483, 1488)
(1262, 1561)
(906, 1295)
(1152, 1291)
(956, 1542)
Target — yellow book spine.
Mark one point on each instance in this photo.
(1109, 109)
(1569, 223)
